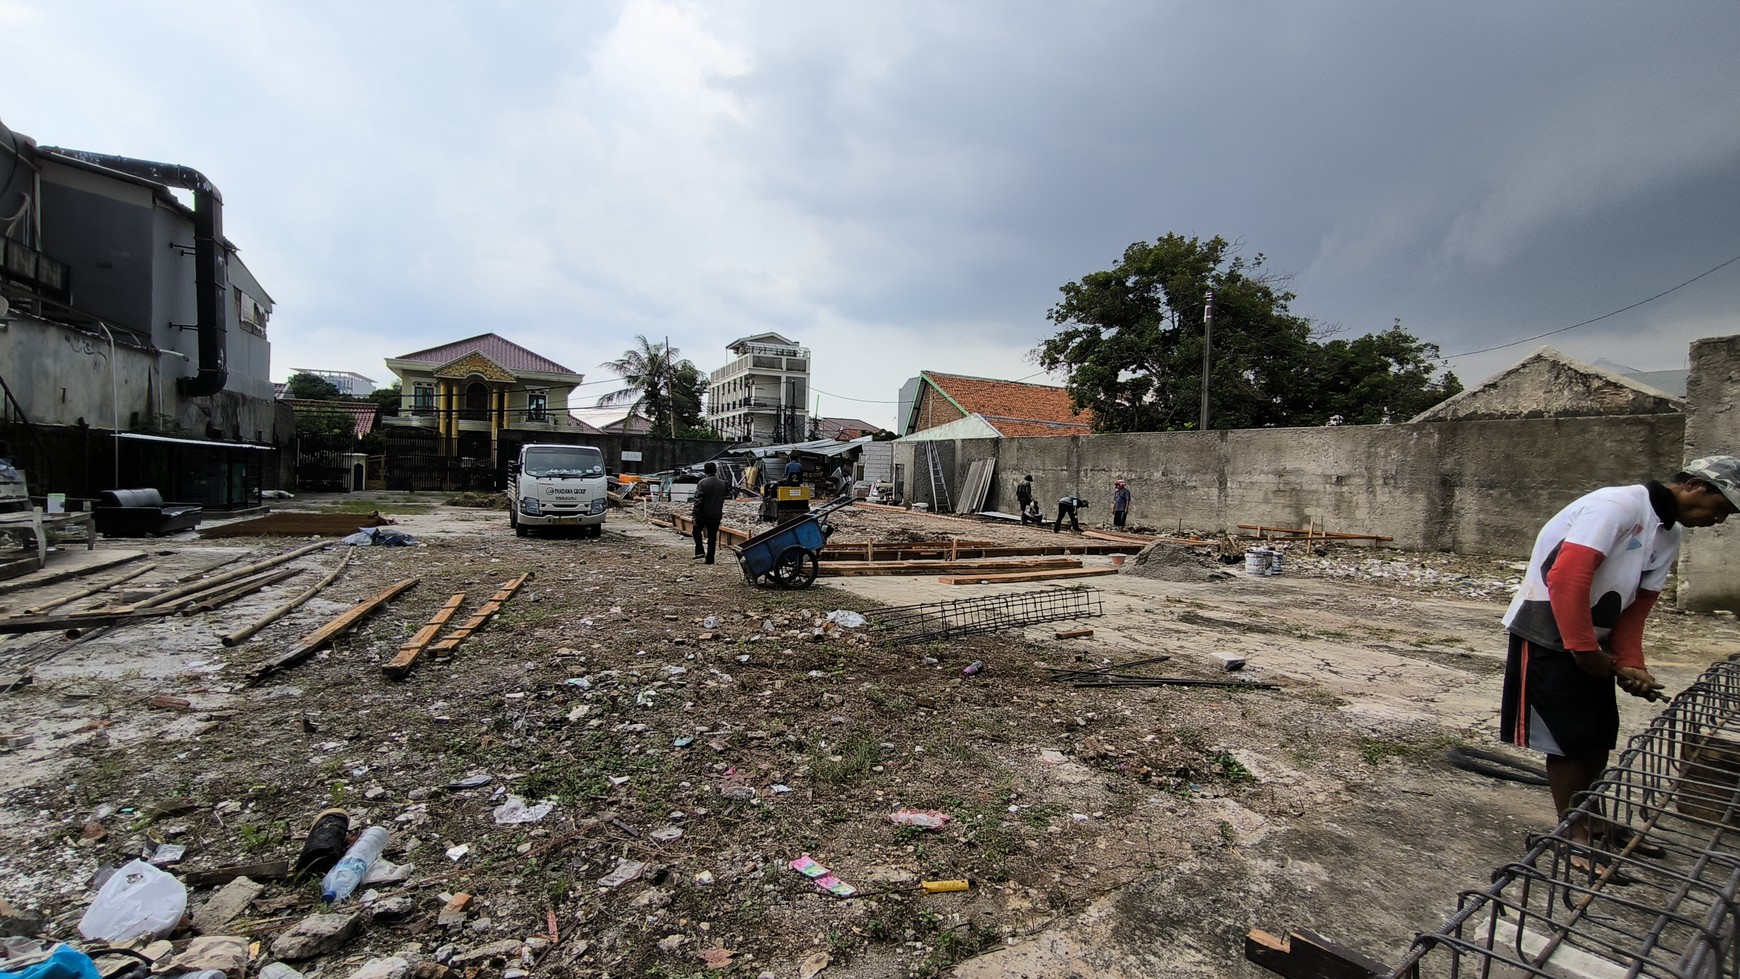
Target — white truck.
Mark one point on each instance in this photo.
(557, 486)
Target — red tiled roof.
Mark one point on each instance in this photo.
(498, 349)
(1014, 408)
(363, 411)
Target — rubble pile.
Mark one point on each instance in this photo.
(1480, 578)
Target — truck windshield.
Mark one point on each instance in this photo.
(560, 462)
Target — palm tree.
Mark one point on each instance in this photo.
(648, 371)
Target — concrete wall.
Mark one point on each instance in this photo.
(75, 375)
(1708, 579)
(1471, 487)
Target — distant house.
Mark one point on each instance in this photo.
(842, 429)
(1549, 384)
(980, 407)
(614, 420)
(362, 413)
(481, 398)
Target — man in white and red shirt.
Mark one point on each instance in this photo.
(1576, 624)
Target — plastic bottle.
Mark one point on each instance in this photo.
(354, 866)
(973, 667)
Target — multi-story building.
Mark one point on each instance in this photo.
(759, 396)
(133, 347)
(349, 384)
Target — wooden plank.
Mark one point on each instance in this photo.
(1075, 633)
(90, 590)
(247, 586)
(1320, 534)
(1113, 535)
(997, 579)
(414, 646)
(326, 633)
(727, 535)
(851, 553)
(1306, 955)
(451, 641)
(853, 569)
(39, 578)
(270, 870)
(13, 624)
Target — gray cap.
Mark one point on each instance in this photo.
(1722, 472)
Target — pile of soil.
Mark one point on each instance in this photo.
(1165, 561)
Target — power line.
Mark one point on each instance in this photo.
(1603, 316)
(844, 398)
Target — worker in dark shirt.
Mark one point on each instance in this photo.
(794, 471)
(1067, 507)
(710, 495)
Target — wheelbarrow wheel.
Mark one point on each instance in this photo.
(795, 568)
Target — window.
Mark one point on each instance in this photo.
(422, 399)
(537, 406)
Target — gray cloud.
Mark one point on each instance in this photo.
(904, 185)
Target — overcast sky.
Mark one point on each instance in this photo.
(904, 185)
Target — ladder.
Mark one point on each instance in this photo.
(939, 484)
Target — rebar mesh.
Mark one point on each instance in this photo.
(988, 613)
(1654, 894)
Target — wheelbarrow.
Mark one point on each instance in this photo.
(788, 554)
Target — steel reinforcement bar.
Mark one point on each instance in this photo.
(988, 613)
(1652, 891)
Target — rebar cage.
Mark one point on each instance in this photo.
(1651, 892)
(988, 613)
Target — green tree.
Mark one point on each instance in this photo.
(1131, 345)
(1381, 377)
(310, 387)
(325, 429)
(665, 389)
(387, 399)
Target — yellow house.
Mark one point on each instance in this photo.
(470, 392)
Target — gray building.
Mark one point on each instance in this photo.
(134, 347)
(759, 396)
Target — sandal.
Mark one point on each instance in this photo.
(1620, 837)
(1594, 865)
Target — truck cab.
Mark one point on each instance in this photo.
(557, 486)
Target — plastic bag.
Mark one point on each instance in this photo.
(845, 618)
(138, 899)
(65, 963)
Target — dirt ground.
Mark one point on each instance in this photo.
(712, 732)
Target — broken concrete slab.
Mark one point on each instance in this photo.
(226, 905)
(316, 935)
(389, 968)
(504, 950)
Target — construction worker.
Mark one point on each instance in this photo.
(1576, 623)
(1024, 495)
(1120, 502)
(750, 481)
(709, 512)
(1067, 507)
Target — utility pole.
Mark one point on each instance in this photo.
(670, 386)
(1207, 349)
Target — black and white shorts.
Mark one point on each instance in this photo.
(1551, 705)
